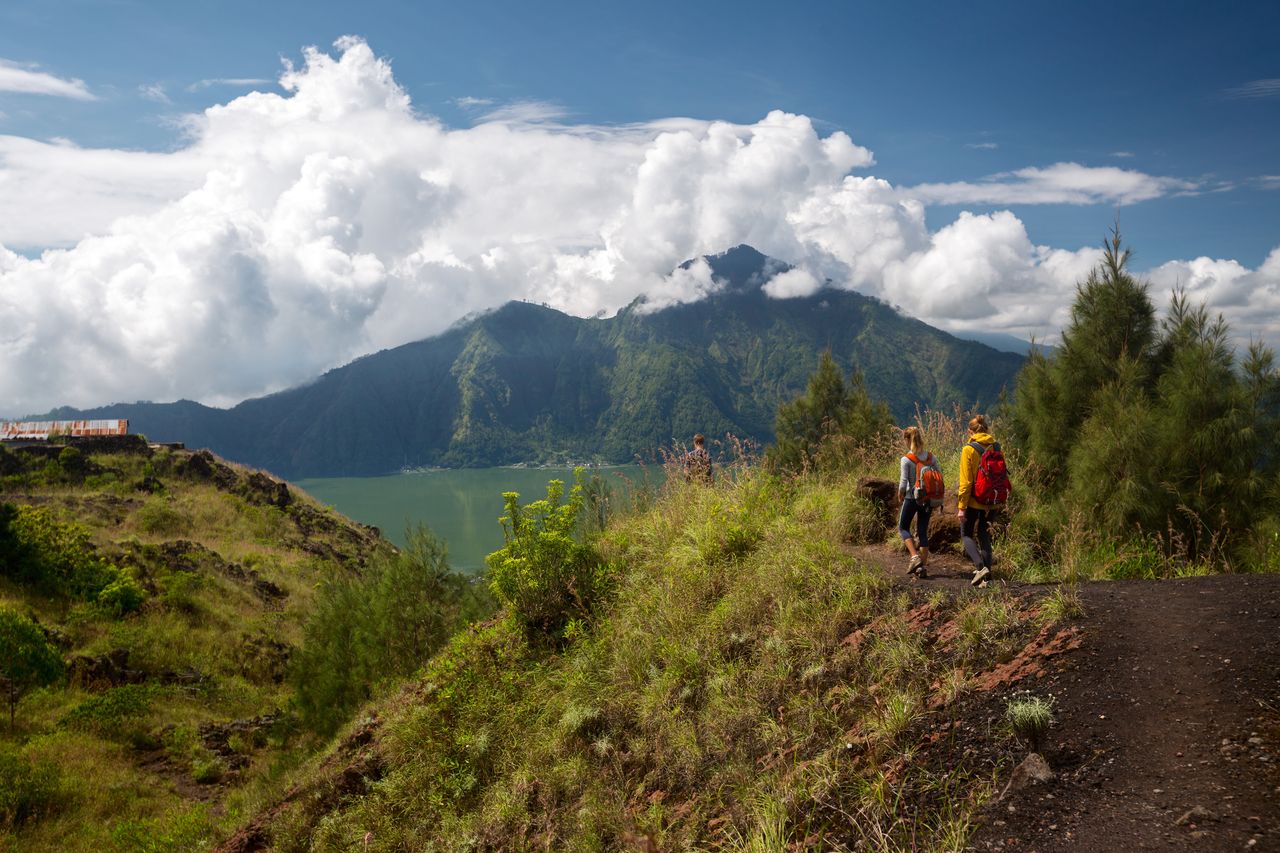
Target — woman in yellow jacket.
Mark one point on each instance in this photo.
(975, 518)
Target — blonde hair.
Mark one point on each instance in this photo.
(912, 435)
(978, 423)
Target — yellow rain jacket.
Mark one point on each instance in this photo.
(969, 459)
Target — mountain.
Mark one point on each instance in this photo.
(525, 383)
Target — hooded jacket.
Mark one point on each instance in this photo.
(969, 459)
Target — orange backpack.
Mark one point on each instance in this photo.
(929, 487)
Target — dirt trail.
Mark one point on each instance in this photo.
(1167, 733)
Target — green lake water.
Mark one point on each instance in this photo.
(461, 506)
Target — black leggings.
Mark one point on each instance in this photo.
(977, 548)
(921, 512)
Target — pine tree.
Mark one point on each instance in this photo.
(1112, 318)
(828, 407)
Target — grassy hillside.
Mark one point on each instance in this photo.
(174, 588)
(747, 683)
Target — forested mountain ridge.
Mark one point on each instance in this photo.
(526, 383)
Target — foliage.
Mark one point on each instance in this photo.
(543, 573)
(115, 713)
(829, 407)
(28, 790)
(59, 558)
(1153, 429)
(379, 626)
(27, 659)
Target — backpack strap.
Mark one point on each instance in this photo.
(914, 458)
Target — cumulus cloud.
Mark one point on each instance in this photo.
(1061, 183)
(301, 227)
(15, 77)
(1248, 298)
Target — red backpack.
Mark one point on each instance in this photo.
(929, 487)
(991, 486)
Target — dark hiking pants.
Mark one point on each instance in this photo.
(921, 513)
(975, 532)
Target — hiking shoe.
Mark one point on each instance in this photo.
(916, 565)
(922, 573)
(980, 577)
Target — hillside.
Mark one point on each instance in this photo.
(527, 383)
(170, 591)
(761, 676)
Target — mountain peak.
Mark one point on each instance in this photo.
(742, 269)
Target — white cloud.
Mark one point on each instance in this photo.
(1256, 89)
(1061, 183)
(983, 146)
(235, 82)
(15, 77)
(154, 92)
(467, 102)
(525, 112)
(1268, 182)
(299, 228)
(792, 283)
(1248, 299)
(1123, 155)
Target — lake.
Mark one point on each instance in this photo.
(461, 506)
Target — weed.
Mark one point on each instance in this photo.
(1061, 604)
(1030, 717)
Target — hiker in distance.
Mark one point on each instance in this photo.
(984, 484)
(921, 489)
(697, 462)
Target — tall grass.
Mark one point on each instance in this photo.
(717, 700)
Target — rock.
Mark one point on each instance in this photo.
(1033, 770)
(1196, 814)
(883, 494)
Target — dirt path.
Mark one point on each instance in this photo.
(1167, 733)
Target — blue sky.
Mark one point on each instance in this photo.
(926, 86)
(993, 130)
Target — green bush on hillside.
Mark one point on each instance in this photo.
(543, 573)
(58, 558)
(379, 626)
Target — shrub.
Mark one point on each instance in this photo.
(58, 557)
(27, 659)
(380, 626)
(28, 791)
(158, 517)
(122, 596)
(114, 714)
(543, 573)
